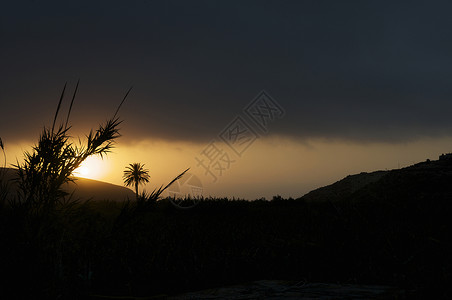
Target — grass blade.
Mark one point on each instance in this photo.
(124, 99)
(72, 102)
(58, 107)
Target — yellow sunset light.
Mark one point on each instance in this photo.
(93, 167)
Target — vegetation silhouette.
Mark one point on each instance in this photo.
(3, 183)
(145, 202)
(53, 160)
(3, 150)
(135, 174)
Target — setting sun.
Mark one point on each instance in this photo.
(93, 167)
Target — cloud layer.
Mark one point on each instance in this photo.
(357, 71)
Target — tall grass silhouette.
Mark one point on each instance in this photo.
(53, 160)
(3, 183)
(3, 150)
(41, 216)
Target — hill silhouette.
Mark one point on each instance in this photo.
(85, 189)
(345, 187)
(421, 181)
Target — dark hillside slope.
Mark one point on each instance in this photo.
(344, 188)
(425, 180)
(83, 189)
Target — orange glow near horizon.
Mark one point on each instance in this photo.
(93, 167)
(271, 166)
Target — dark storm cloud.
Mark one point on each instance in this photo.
(354, 70)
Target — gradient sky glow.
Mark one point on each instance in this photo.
(365, 85)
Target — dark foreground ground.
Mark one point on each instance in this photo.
(169, 251)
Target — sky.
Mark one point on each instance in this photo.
(257, 98)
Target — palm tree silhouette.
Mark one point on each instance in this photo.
(135, 174)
